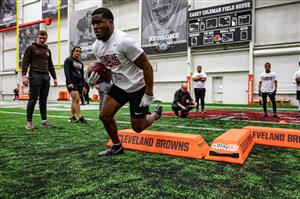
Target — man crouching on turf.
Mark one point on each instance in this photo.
(132, 78)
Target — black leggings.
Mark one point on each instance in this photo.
(200, 94)
(39, 88)
(272, 98)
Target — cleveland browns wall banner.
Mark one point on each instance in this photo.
(164, 26)
(49, 8)
(27, 36)
(81, 32)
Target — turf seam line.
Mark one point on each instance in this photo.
(125, 122)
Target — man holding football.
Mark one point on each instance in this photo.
(132, 78)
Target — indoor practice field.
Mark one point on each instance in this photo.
(62, 162)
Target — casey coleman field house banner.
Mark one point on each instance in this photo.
(164, 26)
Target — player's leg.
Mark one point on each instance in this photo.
(81, 97)
(112, 102)
(298, 108)
(34, 91)
(140, 116)
(298, 98)
(75, 106)
(108, 110)
(197, 97)
(44, 91)
(202, 96)
(273, 101)
(264, 101)
(175, 109)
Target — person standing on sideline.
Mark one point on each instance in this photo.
(199, 79)
(16, 93)
(132, 78)
(74, 74)
(103, 89)
(38, 57)
(268, 87)
(296, 80)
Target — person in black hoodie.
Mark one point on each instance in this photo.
(75, 82)
(38, 57)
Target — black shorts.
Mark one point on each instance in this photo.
(298, 95)
(134, 100)
(77, 87)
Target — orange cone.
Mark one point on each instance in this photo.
(282, 122)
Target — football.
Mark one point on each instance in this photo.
(97, 67)
(298, 79)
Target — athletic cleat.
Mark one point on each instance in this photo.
(158, 111)
(265, 115)
(73, 119)
(29, 126)
(82, 120)
(275, 116)
(114, 150)
(46, 124)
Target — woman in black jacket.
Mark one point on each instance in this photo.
(73, 68)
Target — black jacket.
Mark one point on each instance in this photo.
(181, 97)
(73, 71)
(39, 59)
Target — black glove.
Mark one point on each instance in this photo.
(274, 92)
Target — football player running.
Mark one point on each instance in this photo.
(132, 78)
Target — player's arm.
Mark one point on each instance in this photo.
(275, 82)
(143, 63)
(295, 78)
(51, 69)
(259, 88)
(203, 79)
(67, 70)
(196, 78)
(177, 100)
(27, 59)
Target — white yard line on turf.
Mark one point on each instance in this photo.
(124, 122)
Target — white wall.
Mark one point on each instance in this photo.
(32, 12)
(233, 67)
(277, 25)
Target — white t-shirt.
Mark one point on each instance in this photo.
(199, 84)
(268, 82)
(297, 74)
(118, 54)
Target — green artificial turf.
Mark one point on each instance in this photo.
(62, 163)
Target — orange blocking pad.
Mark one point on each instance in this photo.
(177, 144)
(23, 97)
(275, 136)
(63, 95)
(233, 146)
